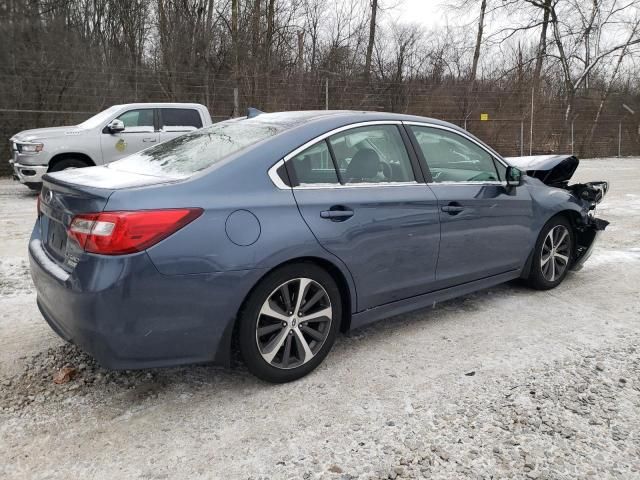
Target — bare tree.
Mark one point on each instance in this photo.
(372, 38)
(476, 51)
(542, 46)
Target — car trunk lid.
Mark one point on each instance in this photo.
(106, 178)
(59, 202)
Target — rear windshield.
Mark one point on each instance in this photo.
(187, 154)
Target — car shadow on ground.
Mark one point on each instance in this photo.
(128, 388)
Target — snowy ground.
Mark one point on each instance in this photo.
(504, 383)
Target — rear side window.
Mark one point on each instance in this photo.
(372, 154)
(314, 166)
(176, 119)
(137, 118)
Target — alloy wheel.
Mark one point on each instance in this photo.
(556, 249)
(293, 323)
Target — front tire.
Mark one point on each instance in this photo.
(289, 322)
(68, 164)
(552, 255)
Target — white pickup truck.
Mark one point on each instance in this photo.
(110, 135)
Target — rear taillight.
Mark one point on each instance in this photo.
(38, 204)
(118, 233)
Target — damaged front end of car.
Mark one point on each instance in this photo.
(556, 171)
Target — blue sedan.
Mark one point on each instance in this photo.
(279, 230)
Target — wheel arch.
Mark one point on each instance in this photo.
(348, 297)
(574, 218)
(66, 155)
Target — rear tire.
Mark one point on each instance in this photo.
(67, 164)
(552, 255)
(289, 322)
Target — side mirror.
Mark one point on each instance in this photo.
(116, 126)
(513, 177)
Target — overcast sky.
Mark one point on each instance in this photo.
(424, 12)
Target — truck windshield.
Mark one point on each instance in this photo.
(99, 118)
(185, 155)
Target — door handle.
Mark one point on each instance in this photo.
(453, 208)
(149, 139)
(337, 213)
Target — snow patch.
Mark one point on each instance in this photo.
(15, 278)
(603, 257)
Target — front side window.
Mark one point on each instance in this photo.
(452, 158)
(372, 154)
(314, 166)
(180, 119)
(137, 118)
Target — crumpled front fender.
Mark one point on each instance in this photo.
(586, 237)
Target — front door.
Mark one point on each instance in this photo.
(370, 211)
(139, 133)
(485, 225)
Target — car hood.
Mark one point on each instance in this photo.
(553, 170)
(44, 133)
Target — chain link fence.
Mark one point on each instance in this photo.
(507, 127)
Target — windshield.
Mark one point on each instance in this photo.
(185, 155)
(98, 119)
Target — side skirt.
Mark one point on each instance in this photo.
(428, 299)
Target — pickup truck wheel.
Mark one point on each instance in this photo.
(68, 163)
(553, 254)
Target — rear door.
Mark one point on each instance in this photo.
(139, 133)
(177, 121)
(373, 211)
(485, 226)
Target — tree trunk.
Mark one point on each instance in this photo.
(271, 10)
(207, 53)
(476, 52)
(270, 27)
(300, 52)
(234, 39)
(609, 88)
(372, 38)
(255, 48)
(542, 47)
(255, 40)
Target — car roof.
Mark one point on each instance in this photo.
(296, 128)
(161, 105)
(292, 119)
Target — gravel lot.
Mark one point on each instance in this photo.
(504, 383)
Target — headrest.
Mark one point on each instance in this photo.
(364, 165)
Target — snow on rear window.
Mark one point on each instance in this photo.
(185, 155)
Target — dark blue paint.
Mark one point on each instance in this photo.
(243, 228)
(489, 233)
(177, 302)
(390, 245)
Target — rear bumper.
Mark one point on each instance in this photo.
(127, 315)
(28, 173)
